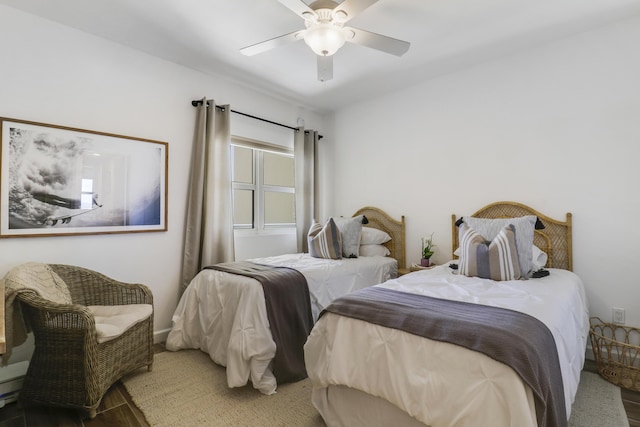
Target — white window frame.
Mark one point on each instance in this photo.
(259, 188)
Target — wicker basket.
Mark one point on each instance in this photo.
(616, 349)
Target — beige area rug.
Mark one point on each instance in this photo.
(598, 403)
(186, 388)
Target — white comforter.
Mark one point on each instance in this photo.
(441, 384)
(225, 315)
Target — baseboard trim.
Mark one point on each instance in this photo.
(161, 335)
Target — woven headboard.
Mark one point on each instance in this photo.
(554, 239)
(380, 220)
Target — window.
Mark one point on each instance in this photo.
(263, 186)
(86, 196)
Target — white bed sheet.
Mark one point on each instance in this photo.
(225, 315)
(441, 384)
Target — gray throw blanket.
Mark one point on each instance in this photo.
(288, 304)
(513, 338)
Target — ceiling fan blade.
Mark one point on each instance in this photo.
(257, 48)
(376, 41)
(299, 8)
(351, 8)
(325, 68)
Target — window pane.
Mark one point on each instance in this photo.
(279, 208)
(243, 208)
(242, 164)
(87, 185)
(278, 170)
(86, 201)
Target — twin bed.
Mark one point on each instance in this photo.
(498, 353)
(490, 352)
(225, 314)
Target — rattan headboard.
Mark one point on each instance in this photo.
(380, 220)
(554, 239)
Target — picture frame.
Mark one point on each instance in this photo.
(58, 180)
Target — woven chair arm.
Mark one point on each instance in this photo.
(89, 287)
(55, 316)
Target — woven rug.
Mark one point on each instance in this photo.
(186, 388)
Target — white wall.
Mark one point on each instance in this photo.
(56, 75)
(556, 128)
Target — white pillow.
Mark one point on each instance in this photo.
(374, 250)
(373, 236)
(539, 258)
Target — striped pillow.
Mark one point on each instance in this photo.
(496, 260)
(325, 242)
(524, 226)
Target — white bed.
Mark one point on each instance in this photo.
(364, 374)
(225, 314)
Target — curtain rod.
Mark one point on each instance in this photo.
(197, 102)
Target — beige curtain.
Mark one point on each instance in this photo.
(209, 227)
(305, 149)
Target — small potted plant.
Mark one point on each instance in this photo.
(427, 250)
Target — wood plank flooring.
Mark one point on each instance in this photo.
(117, 409)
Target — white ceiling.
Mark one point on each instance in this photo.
(445, 35)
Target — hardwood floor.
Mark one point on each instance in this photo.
(117, 409)
(631, 400)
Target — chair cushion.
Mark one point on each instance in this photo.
(113, 320)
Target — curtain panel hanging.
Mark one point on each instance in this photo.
(305, 149)
(209, 226)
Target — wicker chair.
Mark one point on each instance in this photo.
(70, 367)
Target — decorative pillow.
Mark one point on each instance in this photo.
(373, 236)
(538, 258)
(524, 229)
(374, 250)
(325, 241)
(350, 232)
(539, 224)
(496, 260)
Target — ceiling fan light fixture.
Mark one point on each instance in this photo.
(324, 38)
(325, 32)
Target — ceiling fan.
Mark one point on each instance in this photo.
(325, 32)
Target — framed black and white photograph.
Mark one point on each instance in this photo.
(57, 180)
